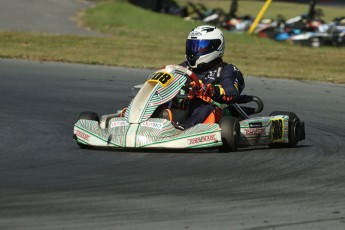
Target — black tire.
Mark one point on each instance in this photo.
(231, 133)
(91, 116)
(296, 129)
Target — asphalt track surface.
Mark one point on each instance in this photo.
(47, 182)
(46, 16)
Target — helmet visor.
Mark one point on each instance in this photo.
(198, 48)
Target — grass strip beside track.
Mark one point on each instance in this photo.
(143, 39)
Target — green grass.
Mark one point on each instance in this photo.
(140, 38)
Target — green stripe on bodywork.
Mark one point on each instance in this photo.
(136, 135)
(218, 143)
(87, 131)
(179, 138)
(82, 142)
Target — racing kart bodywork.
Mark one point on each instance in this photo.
(149, 121)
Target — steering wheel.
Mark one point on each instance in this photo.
(191, 76)
(193, 80)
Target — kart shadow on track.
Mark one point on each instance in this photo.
(190, 151)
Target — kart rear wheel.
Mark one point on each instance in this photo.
(230, 133)
(296, 130)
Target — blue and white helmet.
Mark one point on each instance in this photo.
(204, 44)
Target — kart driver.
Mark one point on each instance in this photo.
(219, 80)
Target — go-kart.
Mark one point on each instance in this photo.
(150, 120)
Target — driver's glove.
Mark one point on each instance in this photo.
(217, 93)
(197, 90)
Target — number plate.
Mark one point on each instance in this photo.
(162, 78)
(277, 129)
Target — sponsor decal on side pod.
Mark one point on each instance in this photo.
(82, 135)
(197, 140)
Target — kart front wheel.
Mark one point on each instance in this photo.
(91, 116)
(230, 133)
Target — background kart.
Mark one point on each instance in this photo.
(148, 121)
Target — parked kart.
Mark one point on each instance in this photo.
(238, 24)
(202, 13)
(307, 29)
(327, 34)
(282, 29)
(150, 120)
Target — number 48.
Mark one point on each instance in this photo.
(161, 77)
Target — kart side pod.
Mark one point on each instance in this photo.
(279, 129)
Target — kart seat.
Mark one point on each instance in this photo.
(176, 115)
(245, 111)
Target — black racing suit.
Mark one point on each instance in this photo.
(219, 74)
